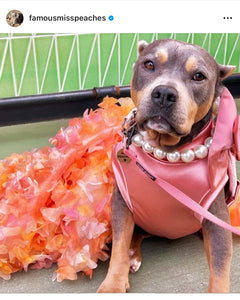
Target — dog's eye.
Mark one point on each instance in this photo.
(149, 65)
(198, 77)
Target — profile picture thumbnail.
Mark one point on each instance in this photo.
(14, 18)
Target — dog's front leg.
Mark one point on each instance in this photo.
(117, 280)
(218, 245)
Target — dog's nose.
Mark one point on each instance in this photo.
(164, 95)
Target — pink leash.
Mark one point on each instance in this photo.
(181, 197)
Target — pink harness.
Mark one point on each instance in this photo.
(160, 194)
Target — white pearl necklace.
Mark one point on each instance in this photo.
(187, 155)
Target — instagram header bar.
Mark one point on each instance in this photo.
(119, 16)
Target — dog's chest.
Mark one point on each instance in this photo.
(153, 208)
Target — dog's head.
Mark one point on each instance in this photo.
(173, 87)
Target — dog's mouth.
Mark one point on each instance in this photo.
(161, 130)
(161, 125)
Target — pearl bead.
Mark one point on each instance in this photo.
(215, 107)
(201, 151)
(173, 156)
(208, 142)
(147, 147)
(159, 153)
(187, 155)
(137, 140)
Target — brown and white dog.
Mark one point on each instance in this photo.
(173, 87)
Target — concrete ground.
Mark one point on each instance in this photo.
(169, 266)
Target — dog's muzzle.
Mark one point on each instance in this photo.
(163, 99)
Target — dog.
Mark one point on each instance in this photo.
(174, 87)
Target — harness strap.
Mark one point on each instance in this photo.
(180, 196)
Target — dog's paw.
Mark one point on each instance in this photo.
(135, 260)
(114, 284)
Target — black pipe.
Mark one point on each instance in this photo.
(233, 84)
(36, 108)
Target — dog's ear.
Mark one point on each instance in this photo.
(141, 46)
(225, 71)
